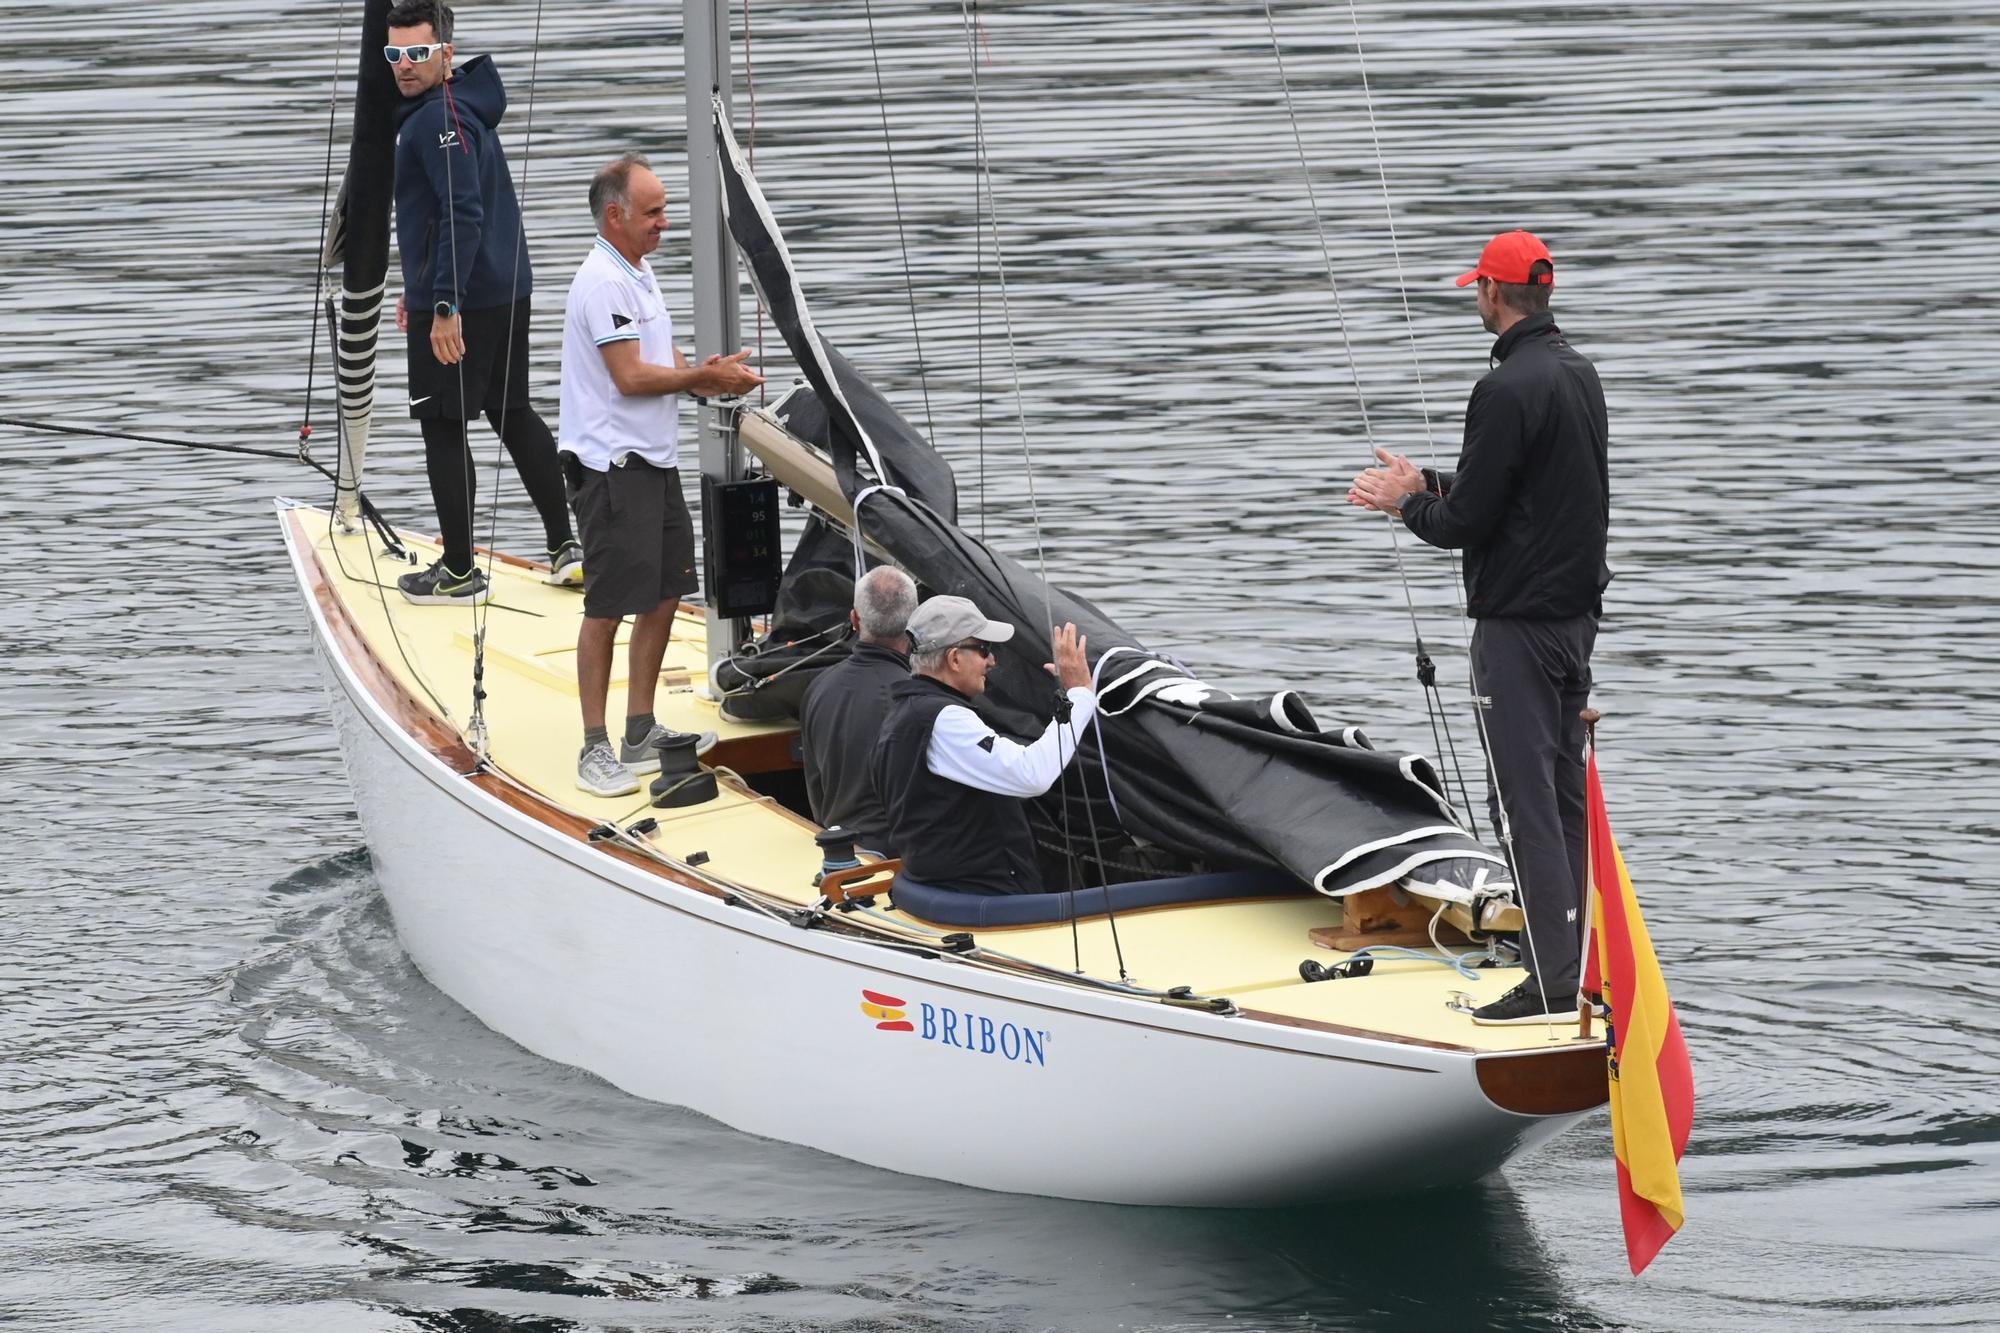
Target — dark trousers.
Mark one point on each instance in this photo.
(1535, 675)
(453, 473)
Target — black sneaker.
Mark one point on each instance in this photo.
(438, 586)
(1524, 1006)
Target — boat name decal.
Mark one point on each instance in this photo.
(959, 1028)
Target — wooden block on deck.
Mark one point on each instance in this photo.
(1385, 915)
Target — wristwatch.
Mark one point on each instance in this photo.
(444, 310)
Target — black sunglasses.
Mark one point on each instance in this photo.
(980, 646)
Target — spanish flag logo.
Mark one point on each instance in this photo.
(1652, 1084)
(887, 1010)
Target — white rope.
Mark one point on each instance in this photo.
(860, 496)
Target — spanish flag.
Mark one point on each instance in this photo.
(1652, 1085)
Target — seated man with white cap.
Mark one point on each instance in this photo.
(952, 785)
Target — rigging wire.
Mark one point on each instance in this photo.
(476, 727)
(984, 169)
(1504, 831)
(979, 203)
(375, 519)
(104, 433)
(750, 85)
(896, 197)
(325, 221)
(1443, 716)
(1426, 671)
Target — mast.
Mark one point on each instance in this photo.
(717, 325)
(358, 240)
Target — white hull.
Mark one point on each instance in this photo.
(675, 996)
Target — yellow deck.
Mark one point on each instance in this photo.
(1249, 952)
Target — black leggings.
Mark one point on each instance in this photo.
(448, 459)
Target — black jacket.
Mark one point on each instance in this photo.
(840, 726)
(1530, 504)
(458, 224)
(950, 835)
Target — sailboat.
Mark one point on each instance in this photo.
(1247, 986)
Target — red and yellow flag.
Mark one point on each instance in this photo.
(1652, 1085)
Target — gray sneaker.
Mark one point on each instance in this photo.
(599, 772)
(645, 757)
(566, 565)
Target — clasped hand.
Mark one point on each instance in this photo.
(1384, 489)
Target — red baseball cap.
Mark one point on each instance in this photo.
(1508, 257)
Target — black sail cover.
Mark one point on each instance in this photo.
(1223, 782)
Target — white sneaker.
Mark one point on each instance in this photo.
(599, 772)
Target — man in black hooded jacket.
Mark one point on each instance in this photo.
(1530, 507)
(465, 303)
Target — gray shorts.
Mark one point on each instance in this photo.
(638, 538)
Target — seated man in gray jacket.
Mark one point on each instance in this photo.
(840, 721)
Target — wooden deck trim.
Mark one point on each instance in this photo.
(1341, 1029)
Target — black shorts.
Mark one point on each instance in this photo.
(638, 538)
(494, 373)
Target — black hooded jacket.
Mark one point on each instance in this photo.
(1530, 504)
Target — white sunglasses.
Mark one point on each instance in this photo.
(418, 54)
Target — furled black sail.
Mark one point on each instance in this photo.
(1222, 783)
(358, 240)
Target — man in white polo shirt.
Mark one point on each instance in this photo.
(621, 381)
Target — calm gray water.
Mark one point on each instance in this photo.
(227, 1100)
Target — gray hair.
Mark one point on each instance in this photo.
(929, 661)
(884, 600)
(613, 185)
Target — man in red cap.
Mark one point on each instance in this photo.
(1530, 506)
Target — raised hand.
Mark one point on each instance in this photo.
(1071, 668)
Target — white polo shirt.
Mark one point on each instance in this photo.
(611, 301)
